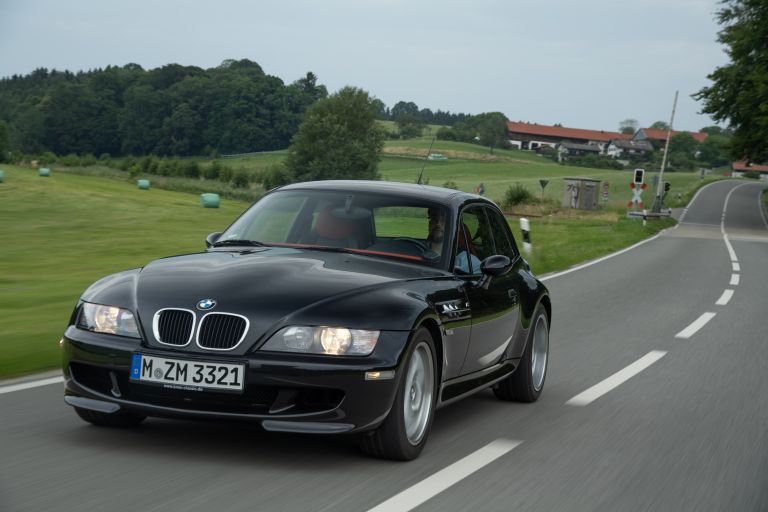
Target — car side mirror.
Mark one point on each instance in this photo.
(493, 266)
(212, 239)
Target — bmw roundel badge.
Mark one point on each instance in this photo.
(206, 304)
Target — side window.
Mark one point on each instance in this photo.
(501, 235)
(474, 242)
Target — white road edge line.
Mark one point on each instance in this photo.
(617, 379)
(736, 266)
(443, 479)
(724, 298)
(30, 385)
(599, 260)
(734, 280)
(695, 326)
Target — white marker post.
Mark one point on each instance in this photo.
(525, 227)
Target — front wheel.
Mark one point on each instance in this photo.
(404, 432)
(527, 382)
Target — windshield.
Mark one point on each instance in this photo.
(372, 224)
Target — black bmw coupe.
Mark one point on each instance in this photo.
(327, 307)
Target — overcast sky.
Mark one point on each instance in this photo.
(584, 64)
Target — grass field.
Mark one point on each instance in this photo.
(64, 232)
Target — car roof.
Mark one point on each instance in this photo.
(446, 196)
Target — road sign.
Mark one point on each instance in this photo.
(639, 176)
(605, 191)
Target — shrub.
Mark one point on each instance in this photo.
(190, 169)
(70, 160)
(225, 174)
(212, 171)
(275, 176)
(47, 158)
(88, 159)
(127, 163)
(105, 157)
(241, 179)
(516, 194)
(451, 184)
(134, 171)
(754, 175)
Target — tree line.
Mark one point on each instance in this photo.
(172, 110)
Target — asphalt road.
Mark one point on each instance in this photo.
(650, 404)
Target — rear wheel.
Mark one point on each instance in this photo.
(404, 432)
(116, 419)
(526, 384)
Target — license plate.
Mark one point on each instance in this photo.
(187, 375)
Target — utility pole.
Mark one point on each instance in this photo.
(658, 202)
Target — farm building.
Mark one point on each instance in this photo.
(534, 136)
(660, 136)
(621, 148)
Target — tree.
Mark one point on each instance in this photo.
(409, 126)
(339, 139)
(5, 143)
(738, 93)
(492, 129)
(660, 125)
(628, 126)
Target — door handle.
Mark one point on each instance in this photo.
(512, 294)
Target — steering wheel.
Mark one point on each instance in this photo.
(423, 247)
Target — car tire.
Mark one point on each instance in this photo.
(404, 432)
(527, 382)
(119, 419)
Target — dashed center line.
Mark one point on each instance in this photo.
(734, 280)
(736, 266)
(695, 326)
(617, 379)
(443, 479)
(724, 298)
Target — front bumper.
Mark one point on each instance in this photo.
(285, 392)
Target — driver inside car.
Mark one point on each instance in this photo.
(437, 235)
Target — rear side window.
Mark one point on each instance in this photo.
(502, 236)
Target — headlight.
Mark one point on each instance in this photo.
(323, 340)
(107, 319)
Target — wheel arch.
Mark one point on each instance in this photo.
(435, 331)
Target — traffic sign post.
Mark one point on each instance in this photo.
(605, 192)
(543, 184)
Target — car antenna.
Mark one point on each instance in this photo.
(429, 152)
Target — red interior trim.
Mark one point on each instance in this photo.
(361, 251)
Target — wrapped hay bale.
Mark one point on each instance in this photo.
(44, 172)
(143, 184)
(209, 200)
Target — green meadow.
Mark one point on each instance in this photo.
(63, 232)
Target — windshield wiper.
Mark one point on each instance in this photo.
(252, 243)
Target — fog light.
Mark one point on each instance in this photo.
(380, 375)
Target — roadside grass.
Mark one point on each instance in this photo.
(498, 176)
(64, 232)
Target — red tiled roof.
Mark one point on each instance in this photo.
(565, 133)
(657, 134)
(744, 166)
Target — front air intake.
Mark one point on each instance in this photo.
(174, 326)
(221, 331)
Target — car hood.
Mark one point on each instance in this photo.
(266, 285)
